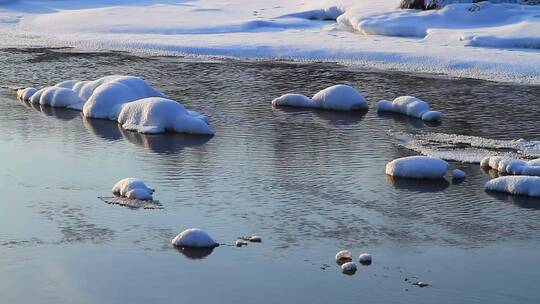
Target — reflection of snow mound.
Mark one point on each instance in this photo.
(410, 106)
(132, 188)
(194, 237)
(338, 97)
(424, 167)
(507, 165)
(520, 185)
(126, 96)
(469, 149)
(132, 203)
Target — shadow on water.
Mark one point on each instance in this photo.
(417, 185)
(412, 121)
(167, 143)
(334, 118)
(196, 253)
(60, 113)
(522, 201)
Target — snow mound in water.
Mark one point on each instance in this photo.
(339, 98)
(157, 115)
(365, 259)
(349, 268)
(26, 94)
(519, 185)
(57, 97)
(424, 167)
(132, 188)
(507, 165)
(194, 237)
(410, 106)
(458, 174)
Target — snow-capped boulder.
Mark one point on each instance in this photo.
(458, 174)
(157, 115)
(348, 268)
(26, 94)
(519, 185)
(365, 259)
(132, 188)
(417, 167)
(338, 98)
(58, 97)
(410, 106)
(507, 165)
(194, 237)
(343, 256)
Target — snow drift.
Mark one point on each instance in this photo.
(519, 185)
(410, 106)
(129, 100)
(508, 165)
(422, 167)
(338, 98)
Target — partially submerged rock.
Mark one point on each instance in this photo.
(343, 256)
(133, 188)
(365, 259)
(421, 167)
(194, 237)
(458, 174)
(338, 98)
(410, 106)
(518, 185)
(348, 268)
(508, 165)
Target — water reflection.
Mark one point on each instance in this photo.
(411, 121)
(193, 253)
(333, 118)
(60, 113)
(417, 185)
(522, 201)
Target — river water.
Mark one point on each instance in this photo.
(309, 182)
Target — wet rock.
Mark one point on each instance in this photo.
(343, 257)
(365, 259)
(349, 268)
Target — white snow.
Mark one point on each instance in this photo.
(508, 165)
(194, 237)
(338, 97)
(348, 268)
(460, 40)
(458, 174)
(365, 259)
(520, 185)
(423, 167)
(132, 188)
(129, 100)
(410, 106)
(343, 255)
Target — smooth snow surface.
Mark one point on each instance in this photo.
(194, 237)
(132, 188)
(410, 106)
(519, 185)
(338, 98)
(507, 165)
(129, 100)
(458, 174)
(488, 41)
(417, 167)
(343, 255)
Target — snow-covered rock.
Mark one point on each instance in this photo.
(132, 188)
(58, 97)
(348, 268)
(26, 94)
(157, 115)
(417, 167)
(365, 259)
(507, 165)
(519, 185)
(338, 98)
(194, 237)
(343, 256)
(410, 106)
(458, 174)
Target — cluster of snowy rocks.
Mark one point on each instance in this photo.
(345, 261)
(129, 100)
(346, 98)
(520, 177)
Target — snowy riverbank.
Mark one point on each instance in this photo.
(488, 41)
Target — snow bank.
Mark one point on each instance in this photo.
(520, 185)
(507, 165)
(410, 106)
(194, 237)
(424, 167)
(338, 98)
(157, 115)
(132, 188)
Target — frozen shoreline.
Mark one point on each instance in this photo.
(278, 30)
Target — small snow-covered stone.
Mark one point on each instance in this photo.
(343, 256)
(518, 184)
(432, 116)
(348, 268)
(417, 167)
(458, 174)
(132, 188)
(294, 100)
(365, 259)
(339, 97)
(255, 239)
(194, 237)
(410, 106)
(25, 94)
(240, 243)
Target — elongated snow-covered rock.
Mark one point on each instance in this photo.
(507, 165)
(410, 106)
(157, 115)
(417, 167)
(519, 185)
(132, 188)
(194, 237)
(339, 98)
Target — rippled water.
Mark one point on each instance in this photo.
(309, 182)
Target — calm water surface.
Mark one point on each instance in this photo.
(309, 182)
